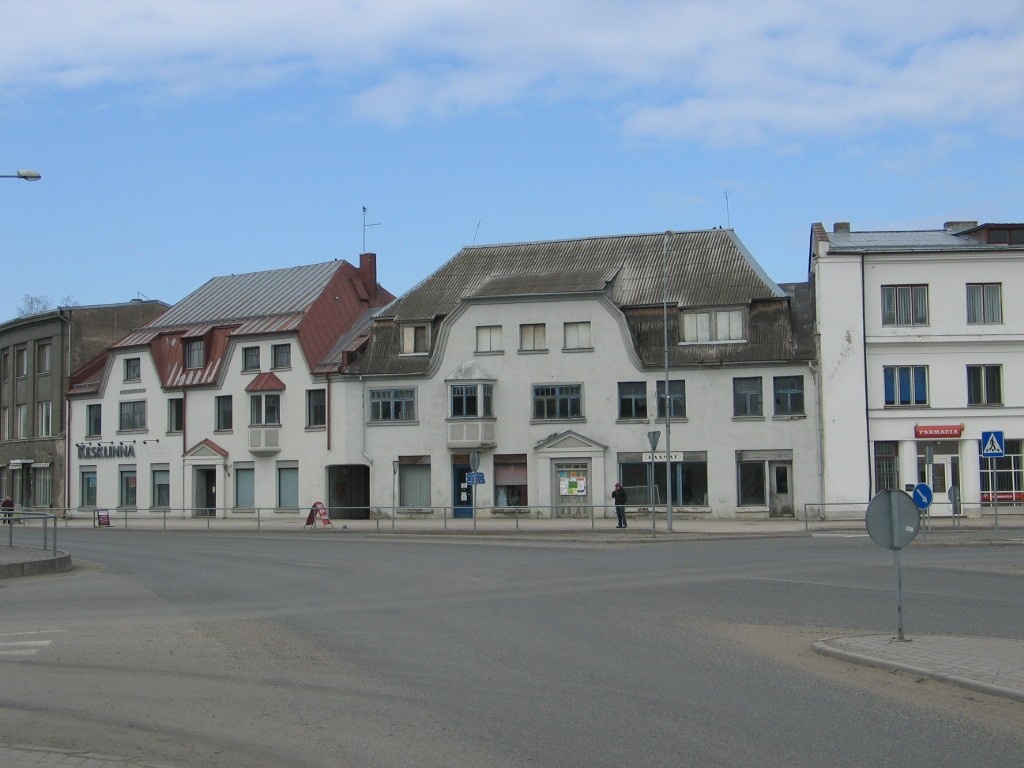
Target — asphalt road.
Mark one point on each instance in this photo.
(258, 650)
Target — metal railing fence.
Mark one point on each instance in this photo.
(31, 519)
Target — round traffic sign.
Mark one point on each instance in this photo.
(892, 519)
(923, 495)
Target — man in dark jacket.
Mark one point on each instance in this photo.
(619, 497)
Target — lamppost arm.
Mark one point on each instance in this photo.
(27, 175)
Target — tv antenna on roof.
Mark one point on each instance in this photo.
(365, 225)
(728, 221)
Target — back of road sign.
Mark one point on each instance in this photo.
(892, 519)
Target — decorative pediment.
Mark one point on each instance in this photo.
(568, 441)
(206, 449)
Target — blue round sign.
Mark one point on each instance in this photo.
(923, 495)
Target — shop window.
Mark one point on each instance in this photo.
(245, 487)
(510, 481)
(128, 488)
(161, 488)
(887, 477)
(414, 485)
(752, 490)
(87, 491)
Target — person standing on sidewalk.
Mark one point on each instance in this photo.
(619, 497)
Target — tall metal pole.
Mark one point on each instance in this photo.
(653, 436)
(668, 402)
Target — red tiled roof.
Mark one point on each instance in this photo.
(265, 382)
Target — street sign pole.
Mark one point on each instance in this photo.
(893, 520)
(899, 571)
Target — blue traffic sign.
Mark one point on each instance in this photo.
(993, 446)
(475, 478)
(923, 495)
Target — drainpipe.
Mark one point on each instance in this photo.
(864, 347)
(362, 418)
(65, 361)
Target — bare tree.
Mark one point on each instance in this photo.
(30, 304)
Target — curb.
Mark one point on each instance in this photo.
(46, 563)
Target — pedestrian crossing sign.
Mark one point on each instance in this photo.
(992, 445)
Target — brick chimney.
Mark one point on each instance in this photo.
(841, 226)
(368, 273)
(959, 226)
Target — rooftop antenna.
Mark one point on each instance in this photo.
(728, 221)
(365, 225)
(477, 230)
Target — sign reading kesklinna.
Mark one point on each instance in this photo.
(106, 451)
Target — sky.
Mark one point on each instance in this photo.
(180, 140)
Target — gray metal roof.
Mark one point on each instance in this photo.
(924, 240)
(251, 295)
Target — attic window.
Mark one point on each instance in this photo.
(709, 326)
(194, 355)
(415, 339)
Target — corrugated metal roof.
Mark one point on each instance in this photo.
(933, 239)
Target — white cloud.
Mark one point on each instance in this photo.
(724, 72)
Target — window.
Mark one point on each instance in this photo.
(132, 416)
(887, 477)
(194, 354)
(713, 325)
(413, 482)
(287, 487)
(128, 488)
(87, 493)
(746, 397)
(789, 395)
(676, 399)
(392, 405)
(533, 337)
(984, 385)
(5, 366)
(222, 415)
(510, 486)
(984, 303)
(577, 336)
(414, 339)
(904, 305)
(264, 409)
(281, 355)
(632, 400)
(161, 488)
(250, 358)
(23, 425)
(45, 418)
(132, 369)
(488, 338)
(316, 407)
(20, 363)
(43, 358)
(906, 384)
(176, 414)
(42, 486)
(93, 420)
(750, 476)
(471, 400)
(5, 425)
(245, 487)
(558, 401)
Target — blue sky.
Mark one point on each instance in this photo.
(184, 139)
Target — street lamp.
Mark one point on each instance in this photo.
(26, 175)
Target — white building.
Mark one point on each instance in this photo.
(222, 404)
(919, 342)
(548, 361)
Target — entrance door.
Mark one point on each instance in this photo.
(462, 492)
(206, 492)
(780, 496)
(348, 494)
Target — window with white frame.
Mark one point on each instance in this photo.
(132, 416)
(194, 354)
(127, 488)
(20, 363)
(250, 358)
(5, 425)
(281, 355)
(161, 487)
(713, 325)
(984, 385)
(905, 384)
(533, 337)
(557, 401)
(42, 486)
(316, 407)
(488, 338)
(676, 398)
(415, 339)
(747, 398)
(93, 420)
(984, 303)
(5, 366)
(789, 395)
(904, 305)
(393, 404)
(223, 418)
(414, 481)
(577, 336)
(87, 489)
(44, 420)
(470, 401)
(132, 368)
(632, 400)
(23, 424)
(264, 410)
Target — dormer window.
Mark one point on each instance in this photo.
(415, 339)
(709, 326)
(194, 355)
